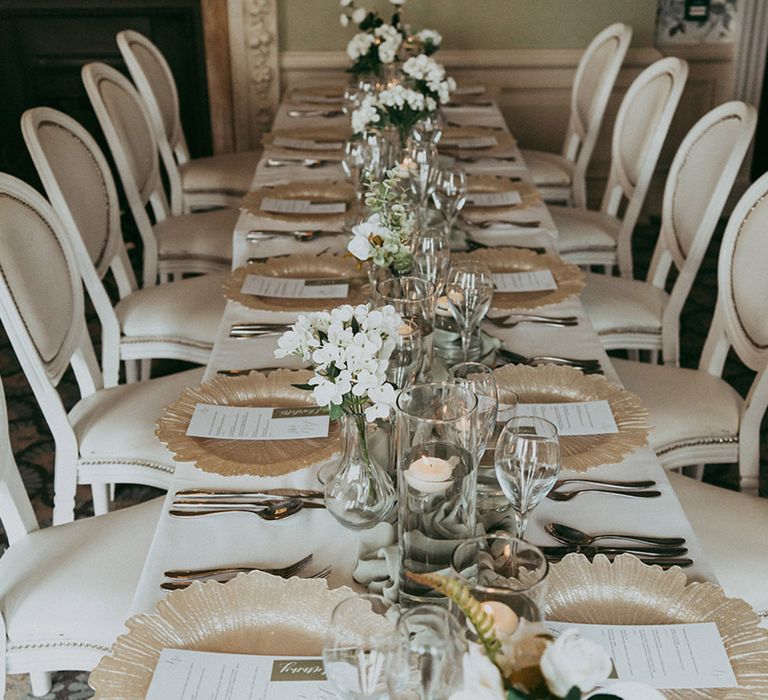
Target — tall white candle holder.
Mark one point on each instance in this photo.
(437, 480)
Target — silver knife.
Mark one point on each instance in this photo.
(213, 493)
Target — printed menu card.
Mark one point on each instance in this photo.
(572, 418)
(248, 423)
(190, 675)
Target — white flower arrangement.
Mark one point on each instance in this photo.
(349, 348)
(429, 77)
(385, 237)
(389, 41)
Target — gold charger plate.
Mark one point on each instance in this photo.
(569, 278)
(628, 592)
(254, 613)
(245, 457)
(529, 195)
(556, 384)
(316, 191)
(299, 267)
(505, 142)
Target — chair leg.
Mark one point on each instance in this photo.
(41, 683)
(653, 357)
(146, 369)
(100, 495)
(697, 471)
(633, 355)
(132, 369)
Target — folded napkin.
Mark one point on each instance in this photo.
(378, 565)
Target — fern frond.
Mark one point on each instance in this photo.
(482, 621)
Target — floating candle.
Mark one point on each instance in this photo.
(430, 474)
(442, 306)
(405, 330)
(505, 620)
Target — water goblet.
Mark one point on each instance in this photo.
(353, 162)
(425, 656)
(527, 461)
(422, 172)
(429, 128)
(431, 257)
(356, 647)
(469, 291)
(450, 194)
(378, 156)
(479, 378)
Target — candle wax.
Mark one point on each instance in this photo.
(429, 474)
(505, 620)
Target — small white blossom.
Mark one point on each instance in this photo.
(390, 42)
(397, 3)
(359, 15)
(345, 3)
(359, 45)
(344, 20)
(430, 36)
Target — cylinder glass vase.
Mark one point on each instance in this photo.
(437, 480)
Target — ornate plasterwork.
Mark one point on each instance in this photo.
(255, 76)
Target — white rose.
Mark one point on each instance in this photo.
(572, 661)
(359, 15)
(344, 20)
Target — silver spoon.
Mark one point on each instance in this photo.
(570, 535)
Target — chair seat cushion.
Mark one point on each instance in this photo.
(117, 425)
(186, 311)
(685, 405)
(229, 173)
(620, 305)
(584, 229)
(76, 582)
(731, 528)
(548, 168)
(203, 236)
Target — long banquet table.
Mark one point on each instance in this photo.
(244, 539)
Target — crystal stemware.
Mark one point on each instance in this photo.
(379, 154)
(450, 194)
(425, 657)
(353, 163)
(422, 173)
(469, 291)
(405, 360)
(527, 461)
(479, 378)
(356, 647)
(431, 257)
(429, 128)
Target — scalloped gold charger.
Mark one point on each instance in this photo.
(317, 191)
(254, 613)
(556, 384)
(245, 457)
(299, 267)
(627, 592)
(326, 135)
(529, 195)
(569, 278)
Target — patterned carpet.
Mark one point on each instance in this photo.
(34, 447)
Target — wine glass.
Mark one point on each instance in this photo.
(429, 128)
(431, 257)
(405, 360)
(479, 378)
(527, 464)
(469, 291)
(353, 163)
(378, 156)
(425, 656)
(422, 173)
(450, 194)
(356, 647)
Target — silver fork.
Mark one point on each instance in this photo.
(587, 365)
(490, 223)
(568, 495)
(284, 571)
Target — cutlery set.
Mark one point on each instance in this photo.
(261, 236)
(271, 504)
(588, 366)
(183, 578)
(302, 162)
(306, 113)
(516, 319)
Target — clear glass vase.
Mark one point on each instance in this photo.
(360, 493)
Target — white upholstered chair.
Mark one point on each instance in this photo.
(177, 320)
(65, 591)
(198, 183)
(696, 416)
(563, 177)
(199, 242)
(640, 315)
(604, 237)
(731, 529)
(109, 435)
